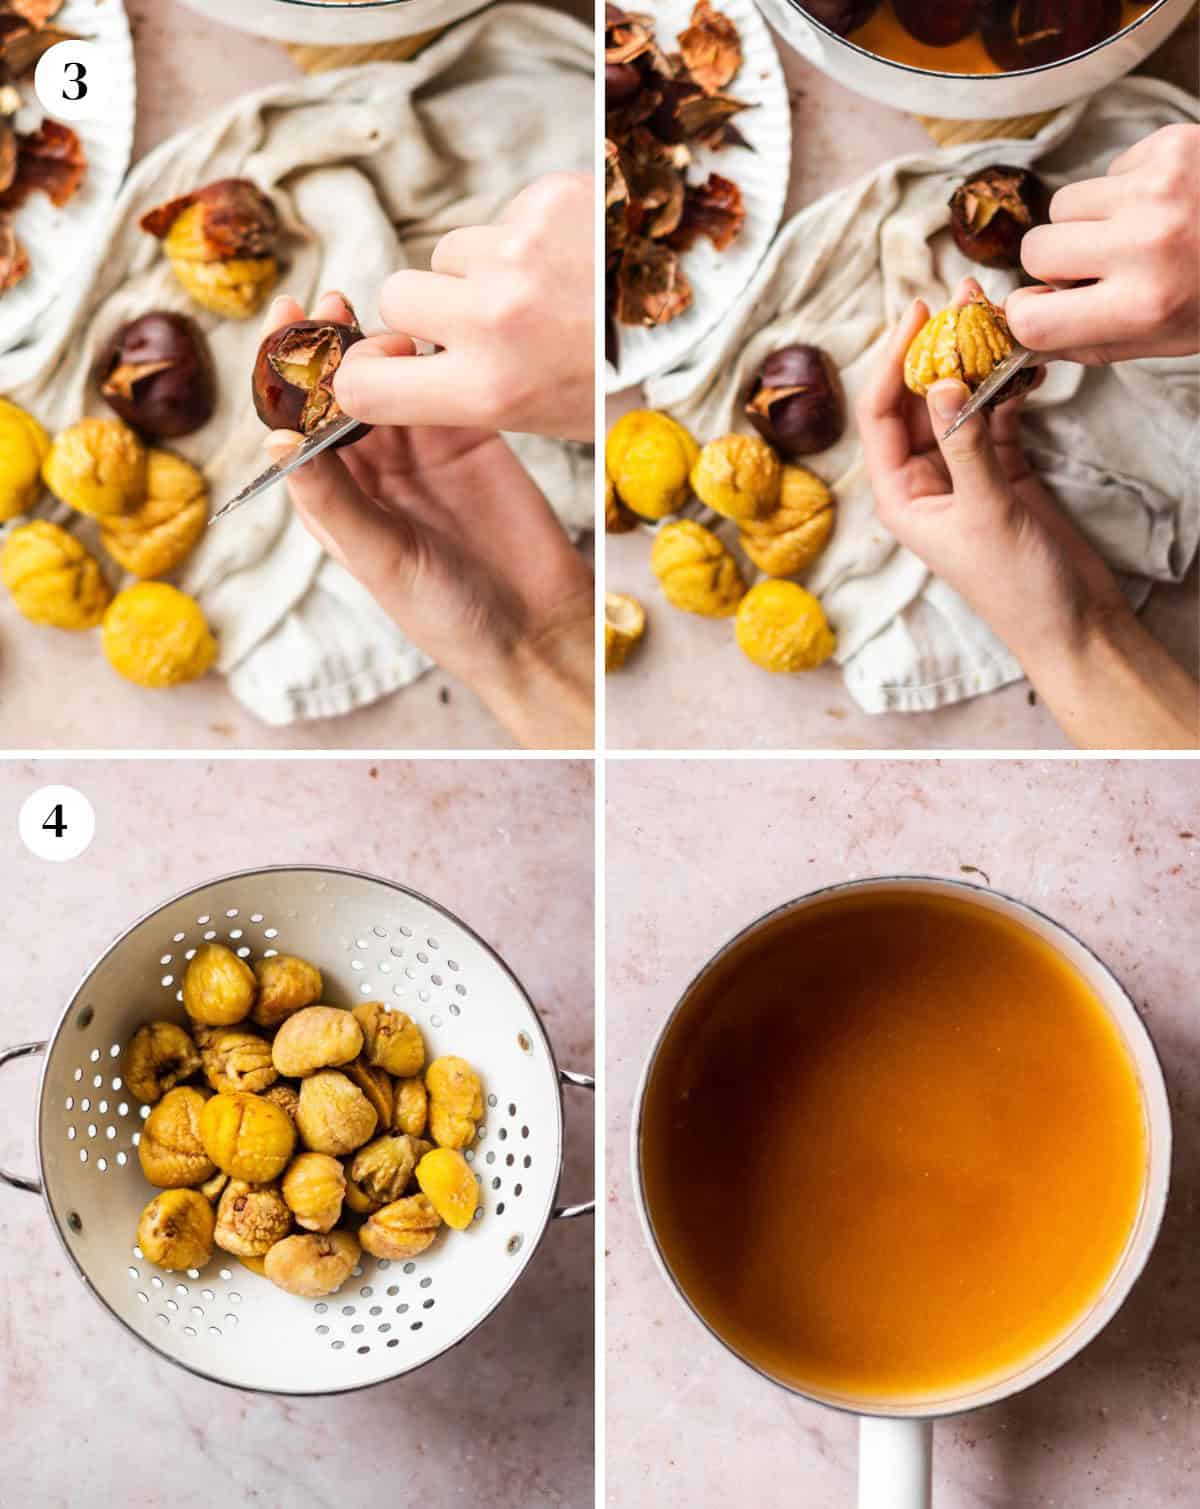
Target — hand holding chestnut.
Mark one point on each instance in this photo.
(1132, 239)
(447, 531)
(509, 306)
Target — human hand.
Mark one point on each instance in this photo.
(1132, 240)
(451, 536)
(970, 506)
(972, 509)
(512, 306)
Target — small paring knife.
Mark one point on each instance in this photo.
(320, 441)
(1016, 359)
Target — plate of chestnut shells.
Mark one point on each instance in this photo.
(1016, 34)
(757, 160)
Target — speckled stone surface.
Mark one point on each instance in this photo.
(91, 1418)
(690, 687)
(695, 851)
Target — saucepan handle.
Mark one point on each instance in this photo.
(20, 1181)
(588, 1208)
(895, 1463)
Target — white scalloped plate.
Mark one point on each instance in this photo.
(335, 24)
(717, 278)
(60, 242)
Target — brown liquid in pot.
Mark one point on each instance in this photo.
(886, 38)
(893, 1149)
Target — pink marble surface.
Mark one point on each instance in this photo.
(694, 851)
(90, 1417)
(663, 700)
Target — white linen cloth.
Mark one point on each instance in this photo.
(369, 166)
(1119, 446)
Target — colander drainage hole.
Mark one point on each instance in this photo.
(492, 1100)
(366, 1291)
(410, 1267)
(500, 1208)
(361, 1350)
(416, 1325)
(394, 1342)
(347, 1309)
(321, 1308)
(196, 1312)
(234, 1298)
(214, 1330)
(322, 1330)
(70, 1134)
(393, 1290)
(208, 1295)
(163, 1320)
(375, 1310)
(122, 1160)
(225, 1274)
(83, 1155)
(156, 1281)
(70, 1102)
(189, 1330)
(102, 1165)
(143, 1298)
(401, 1309)
(425, 1283)
(231, 1320)
(337, 1345)
(358, 1329)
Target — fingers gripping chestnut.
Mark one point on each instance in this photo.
(156, 375)
(294, 372)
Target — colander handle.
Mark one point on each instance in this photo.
(588, 1208)
(19, 1181)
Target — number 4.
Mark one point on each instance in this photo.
(54, 822)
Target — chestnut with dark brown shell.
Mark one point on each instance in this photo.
(937, 25)
(294, 372)
(796, 402)
(1034, 33)
(991, 211)
(841, 16)
(157, 375)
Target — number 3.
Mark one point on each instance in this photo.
(76, 73)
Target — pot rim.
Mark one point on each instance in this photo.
(1078, 1336)
(342, 870)
(940, 73)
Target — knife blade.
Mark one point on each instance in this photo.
(323, 438)
(1016, 359)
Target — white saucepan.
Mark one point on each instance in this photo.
(896, 1442)
(974, 96)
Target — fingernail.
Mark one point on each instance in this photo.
(945, 400)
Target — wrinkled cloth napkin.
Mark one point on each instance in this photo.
(1119, 446)
(369, 166)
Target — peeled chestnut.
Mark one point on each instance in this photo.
(992, 210)
(156, 374)
(294, 372)
(937, 24)
(1032, 33)
(796, 402)
(842, 16)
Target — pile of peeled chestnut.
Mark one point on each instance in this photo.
(1016, 33)
(143, 506)
(296, 1135)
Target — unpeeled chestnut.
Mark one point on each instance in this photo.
(796, 402)
(1034, 33)
(938, 25)
(841, 16)
(157, 375)
(991, 211)
(293, 376)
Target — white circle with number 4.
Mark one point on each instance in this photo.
(57, 822)
(73, 81)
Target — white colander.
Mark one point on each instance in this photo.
(372, 940)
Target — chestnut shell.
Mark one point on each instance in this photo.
(998, 242)
(807, 415)
(937, 23)
(1032, 33)
(282, 405)
(177, 394)
(841, 16)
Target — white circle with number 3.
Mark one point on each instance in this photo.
(72, 81)
(57, 822)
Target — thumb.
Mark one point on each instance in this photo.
(976, 474)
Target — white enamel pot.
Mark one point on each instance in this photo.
(335, 23)
(896, 1442)
(974, 96)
